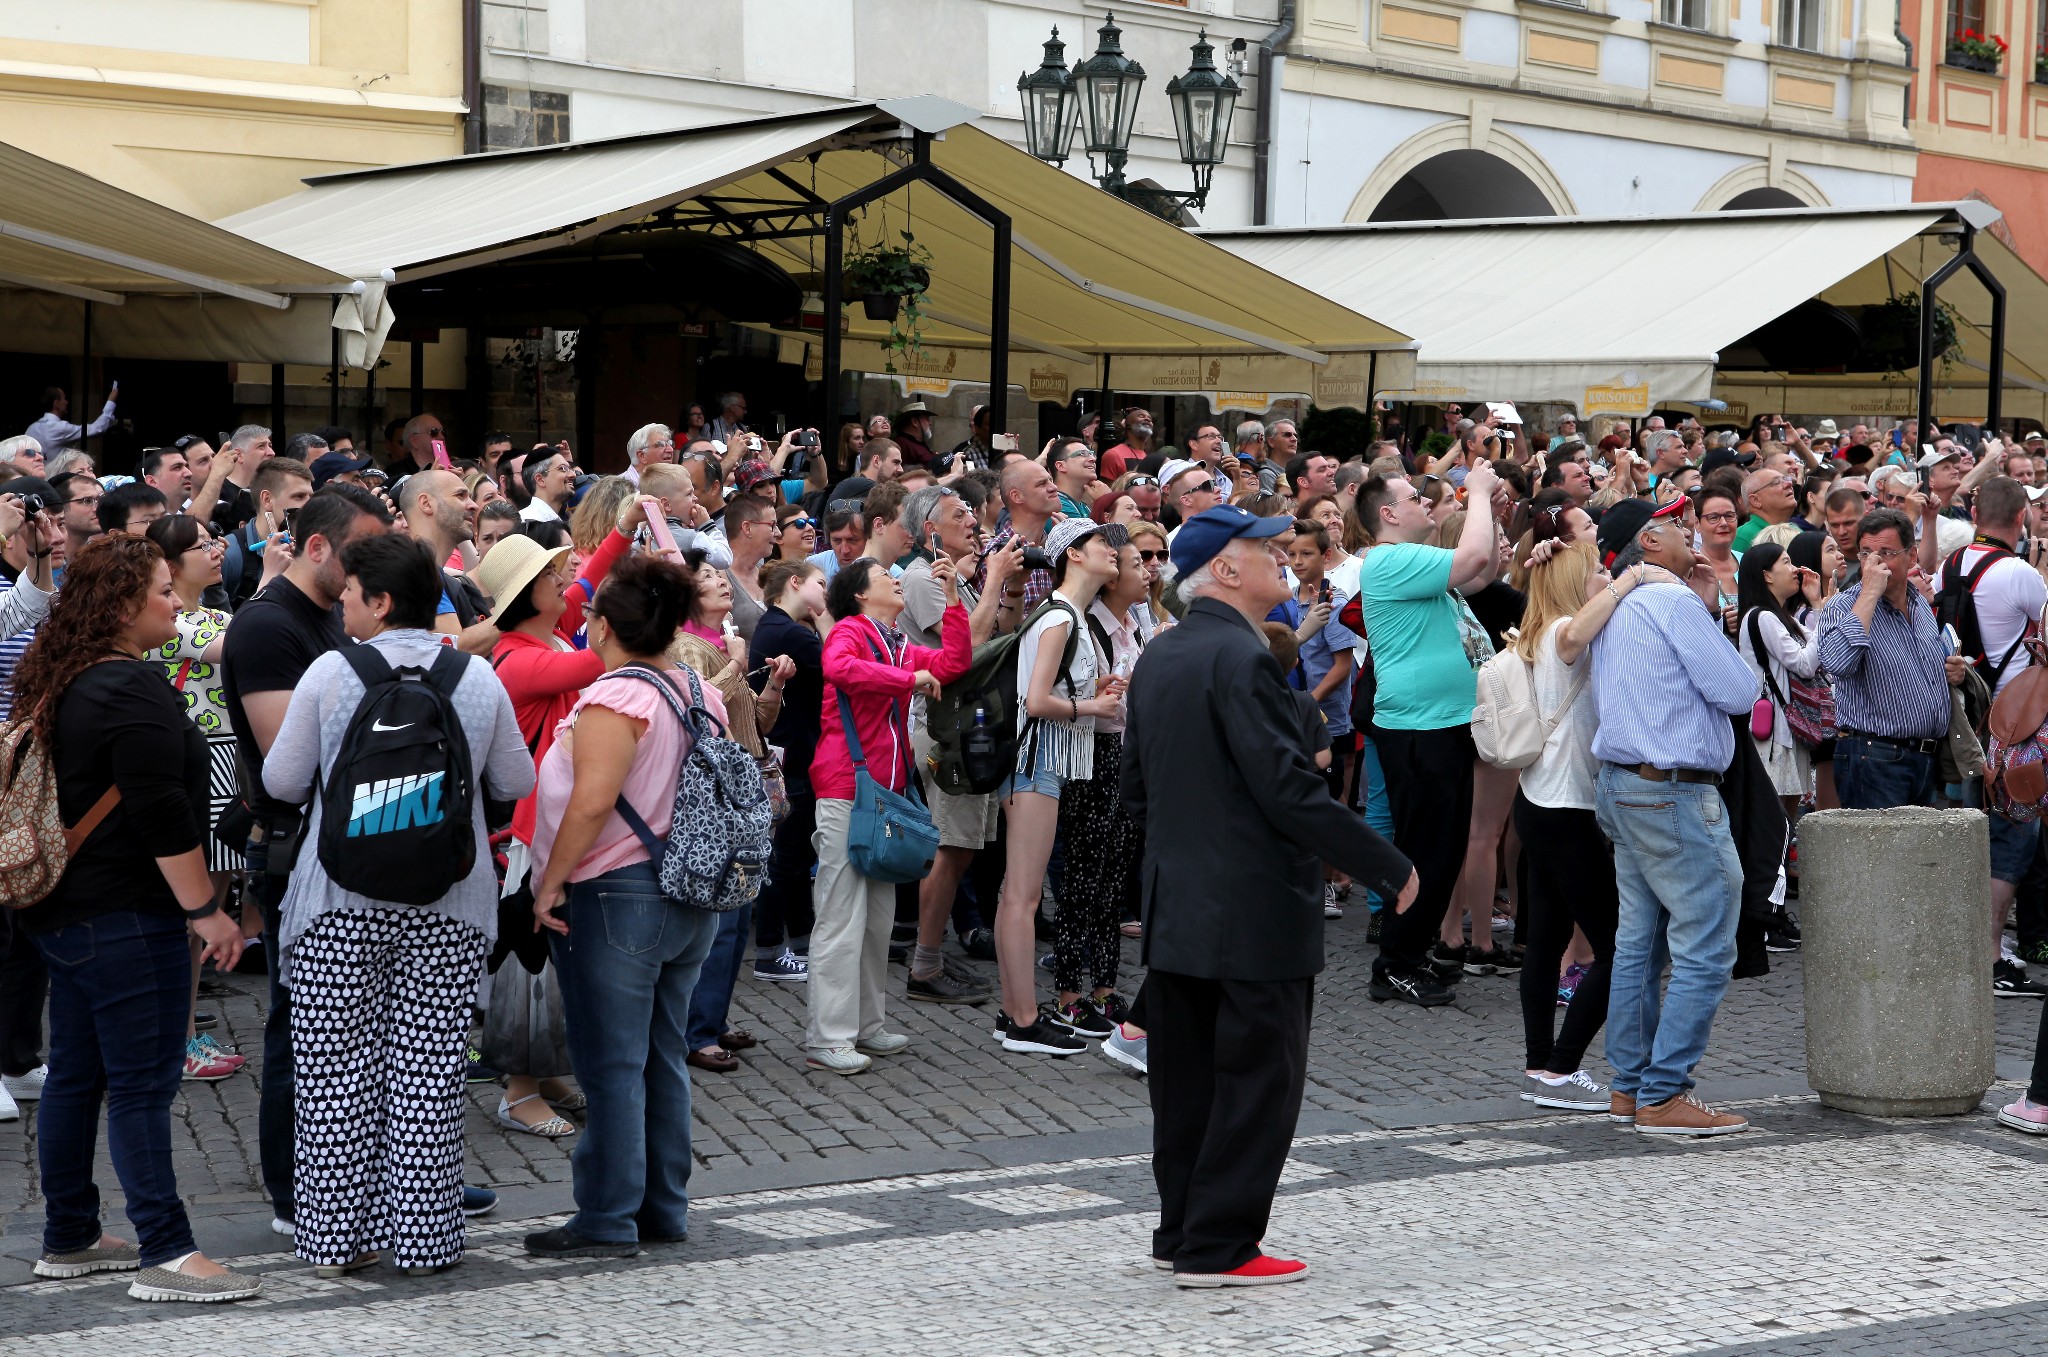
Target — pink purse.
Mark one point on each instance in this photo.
(1762, 719)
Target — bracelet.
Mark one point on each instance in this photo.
(774, 688)
(1610, 590)
(1076, 706)
(211, 907)
(39, 555)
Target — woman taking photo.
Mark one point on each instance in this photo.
(629, 955)
(539, 607)
(1104, 845)
(788, 630)
(382, 991)
(1571, 870)
(873, 666)
(191, 660)
(1058, 708)
(1778, 650)
(131, 773)
(717, 651)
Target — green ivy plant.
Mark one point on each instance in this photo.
(1891, 332)
(898, 272)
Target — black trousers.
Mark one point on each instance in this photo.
(24, 984)
(1227, 1062)
(1429, 790)
(784, 910)
(2030, 900)
(1571, 881)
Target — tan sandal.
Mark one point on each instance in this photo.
(554, 1128)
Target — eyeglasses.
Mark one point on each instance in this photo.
(84, 499)
(1150, 556)
(1883, 553)
(1718, 518)
(432, 433)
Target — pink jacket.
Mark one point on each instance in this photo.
(872, 685)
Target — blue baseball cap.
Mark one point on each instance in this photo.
(1200, 538)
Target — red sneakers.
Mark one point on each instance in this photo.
(1260, 1271)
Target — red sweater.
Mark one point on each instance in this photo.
(543, 681)
(872, 685)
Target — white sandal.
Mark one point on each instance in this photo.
(554, 1128)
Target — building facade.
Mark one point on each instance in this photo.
(1981, 121)
(1419, 109)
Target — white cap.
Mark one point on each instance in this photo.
(1175, 469)
(1935, 456)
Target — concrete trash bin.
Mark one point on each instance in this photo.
(1893, 912)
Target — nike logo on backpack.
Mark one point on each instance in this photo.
(379, 725)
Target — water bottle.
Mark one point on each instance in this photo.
(978, 752)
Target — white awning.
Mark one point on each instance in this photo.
(165, 285)
(1610, 315)
(1091, 277)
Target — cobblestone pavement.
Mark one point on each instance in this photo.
(1440, 1214)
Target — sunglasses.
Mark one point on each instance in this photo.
(1150, 556)
(799, 523)
(1141, 480)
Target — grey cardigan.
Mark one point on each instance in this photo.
(310, 740)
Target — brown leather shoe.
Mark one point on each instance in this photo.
(1621, 1107)
(716, 1059)
(1686, 1115)
(738, 1039)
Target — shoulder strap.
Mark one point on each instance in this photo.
(1763, 657)
(846, 707)
(447, 670)
(655, 848)
(371, 667)
(77, 834)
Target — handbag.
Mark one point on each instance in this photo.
(1763, 718)
(1809, 707)
(775, 784)
(889, 837)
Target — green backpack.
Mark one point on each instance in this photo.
(973, 720)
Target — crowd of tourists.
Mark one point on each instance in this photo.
(501, 771)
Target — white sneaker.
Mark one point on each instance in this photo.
(837, 1060)
(279, 1225)
(882, 1043)
(8, 1110)
(26, 1088)
(1331, 909)
(1576, 1092)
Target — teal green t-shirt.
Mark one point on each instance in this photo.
(1425, 679)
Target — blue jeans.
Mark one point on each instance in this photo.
(1873, 776)
(1680, 884)
(627, 968)
(120, 987)
(713, 996)
(1372, 795)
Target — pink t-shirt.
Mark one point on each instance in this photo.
(650, 783)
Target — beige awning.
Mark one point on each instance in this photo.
(163, 285)
(1092, 277)
(1617, 315)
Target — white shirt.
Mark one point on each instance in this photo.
(1787, 657)
(539, 511)
(54, 433)
(1565, 775)
(2010, 598)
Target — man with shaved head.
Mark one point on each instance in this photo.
(441, 513)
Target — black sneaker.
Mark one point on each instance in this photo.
(1774, 941)
(203, 1020)
(944, 988)
(1043, 1037)
(980, 943)
(899, 952)
(1372, 926)
(2009, 981)
(1446, 964)
(563, 1242)
(1082, 1018)
(480, 1073)
(1420, 990)
(1504, 960)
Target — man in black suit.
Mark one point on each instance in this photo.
(1234, 939)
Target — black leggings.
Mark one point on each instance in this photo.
(1104, 847)
(1571, 881)
(1429, 789)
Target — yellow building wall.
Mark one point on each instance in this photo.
(213, 106)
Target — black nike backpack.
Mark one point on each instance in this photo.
(395, 821)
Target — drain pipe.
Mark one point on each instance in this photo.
(472, 76)
(1269, 95)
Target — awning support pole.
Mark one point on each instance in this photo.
(419, 378)
(334, 382)
(1965, 258)
(920, 170)
(277, 434)
(1372, 393)
(1102, 408)
(84, 376)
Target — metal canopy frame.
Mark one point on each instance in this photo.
(1965, 258)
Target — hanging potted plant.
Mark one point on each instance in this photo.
(1891, 334)
(1974, 51)
(891, 281)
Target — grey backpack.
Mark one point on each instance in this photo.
(721, 825)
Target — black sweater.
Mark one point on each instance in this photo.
(122, 723)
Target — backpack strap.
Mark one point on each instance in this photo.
(655, 848)
(369, 666)
(447, 670)
(1763, 658)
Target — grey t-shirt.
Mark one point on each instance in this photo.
(746, 610)
(924, 603)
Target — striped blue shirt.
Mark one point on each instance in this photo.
(1888, 676)
(1666, 681)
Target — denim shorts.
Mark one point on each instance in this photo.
(2012, 847)
(1043, 781)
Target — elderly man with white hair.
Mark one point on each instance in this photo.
(650, 443)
